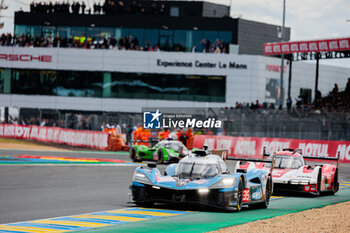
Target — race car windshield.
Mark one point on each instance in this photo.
(173, 146)
(176, 146)
(196, 170)
(290, 162)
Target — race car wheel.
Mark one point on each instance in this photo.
(133, 155)
(318, 190)
(265, 204)
(160, 156)
(239, 195)
(145, 204)
(335, 183)
(140, 197)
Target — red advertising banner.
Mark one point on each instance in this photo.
(252, 147)
(82, 138)
(327, 45)
(15, 131)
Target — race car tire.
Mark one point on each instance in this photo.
(335, 183)
(266, 203)
(133, 155)
(160, 156)
(318, 189)
(140, 197)
(239, 195)
(145, 204)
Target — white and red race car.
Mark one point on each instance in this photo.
(292, 174)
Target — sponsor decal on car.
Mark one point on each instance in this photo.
(200, 181)
(256, 195)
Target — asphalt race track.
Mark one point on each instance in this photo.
(35, 192)
(31, 192)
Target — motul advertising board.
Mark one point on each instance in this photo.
(252, 147)
(327, 45)
(83, 138)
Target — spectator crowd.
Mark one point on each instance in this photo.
(108, 7)
(49, 7)
(256, 105)
(336, 100)
(69, 121)
(88, 42)
(208, 47)
(118, 7)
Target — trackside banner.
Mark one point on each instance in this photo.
(83, 138)
(327, 45)
(253, 147)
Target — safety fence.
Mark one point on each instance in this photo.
(253, 147)
(297, 123)
(80, 138)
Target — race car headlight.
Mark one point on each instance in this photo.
(203, 190)
(224, 183)
(141, 178)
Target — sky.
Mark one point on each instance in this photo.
(308, 19)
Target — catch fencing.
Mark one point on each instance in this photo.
(294, 123)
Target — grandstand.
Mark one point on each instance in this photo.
(181, 26)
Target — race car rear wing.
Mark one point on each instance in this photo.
(272, 161)
(307, 157)
(327, 159)
(251, 160)
(285, 149)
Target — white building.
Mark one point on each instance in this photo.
(126, 81)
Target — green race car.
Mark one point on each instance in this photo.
(163, 151)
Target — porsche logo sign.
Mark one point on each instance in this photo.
(25, 57)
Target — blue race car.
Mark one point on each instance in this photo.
(202, 178)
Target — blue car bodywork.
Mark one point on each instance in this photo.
(202, 179)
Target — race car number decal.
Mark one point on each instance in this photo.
(246, 195)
